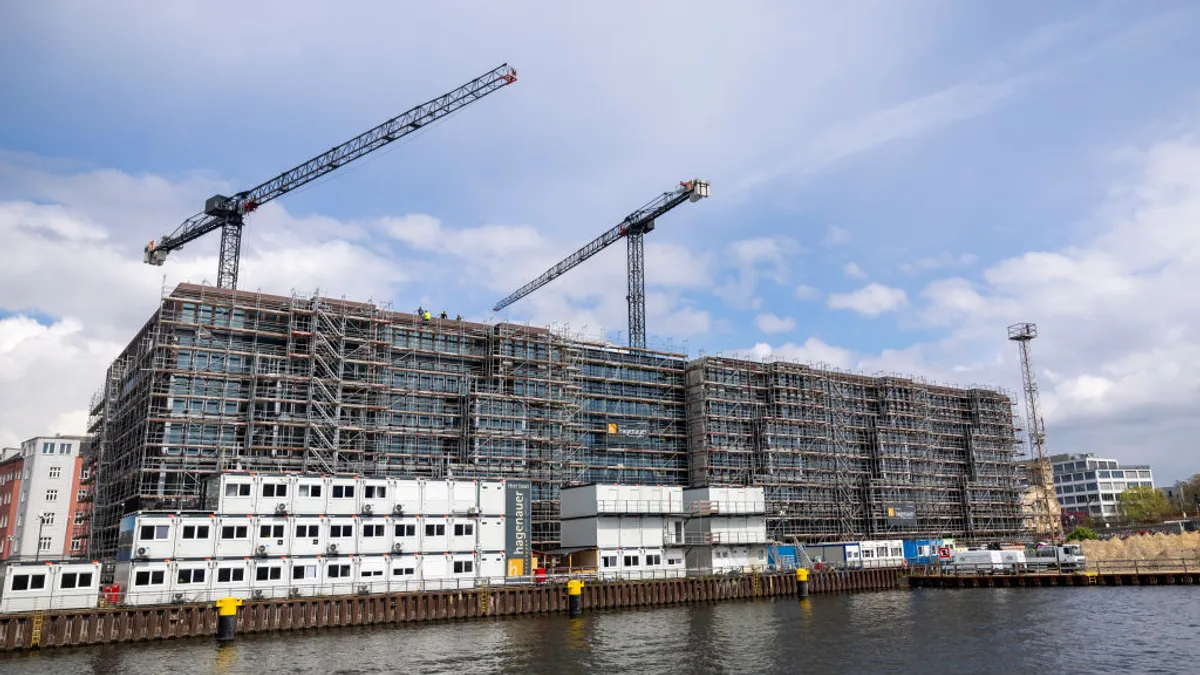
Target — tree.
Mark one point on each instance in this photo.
(1081, 534)
(1143, 504)
(1187, 494)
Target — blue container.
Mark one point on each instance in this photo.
(782, 557)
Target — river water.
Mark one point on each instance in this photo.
(1027, 631)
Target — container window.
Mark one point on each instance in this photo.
(432, 530)
(230, 574)
(234, 532)
(406, 530)
(270, 531)
(274, 490)
(343, 492)
(268, 573)
(375, 492)
(464, 566)
(310, 490)
(464, 529)
(237, 489)
(195, 576)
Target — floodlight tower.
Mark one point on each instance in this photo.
(1041, 477)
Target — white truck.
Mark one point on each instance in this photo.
(985, 562)
(1040, 558)
(1063, 558)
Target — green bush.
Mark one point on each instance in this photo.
(1081, 534)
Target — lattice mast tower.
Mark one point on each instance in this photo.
(1041, 478)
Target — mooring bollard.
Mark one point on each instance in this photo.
(574, 598)
(227, 618)
(802, 582)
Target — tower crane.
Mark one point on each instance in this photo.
(632, 229)
(227, 213)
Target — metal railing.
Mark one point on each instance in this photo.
(1171, 565)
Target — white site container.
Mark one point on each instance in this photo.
(407, 497)
(372, 574)
(882, 553)
(270, 578)
(236, 493)
(435, 570)
(582, 501)
(273, 535)
(305, 573)
(153, 536)
(191, 580)
(343, 497)
(26, 587)
(492, 567)
(491, 498)
(338, 575)
(274, 493)
(404, 573)
(310, 535)
(491, 534)
(374, 535)
(462, 534)
(341, 534)
(235, 536)
(310, 495)
(144, 582)
(377, 497)
(636, 563)
(231, 578)
(434, 534)
(435, 497)
(195, 537)
(464, 497)
(406, 535)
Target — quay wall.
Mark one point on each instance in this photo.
(141, 624)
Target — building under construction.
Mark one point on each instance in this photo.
(223, 379)
(845, 456)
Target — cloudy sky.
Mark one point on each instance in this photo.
(893, 183)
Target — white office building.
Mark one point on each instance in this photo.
(725, 530)
(1092, 485)
(624, 531)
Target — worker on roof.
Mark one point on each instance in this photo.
(425, 315)
(458, 317)
(443, 316)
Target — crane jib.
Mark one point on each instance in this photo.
(222, 212)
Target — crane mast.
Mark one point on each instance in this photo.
(227, 213)
(633, 228)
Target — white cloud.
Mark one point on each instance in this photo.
(870, 300)
(836, 236)
(748, 260)
(769, 323)
(852, 270)
(942, 260)
(806, 292)
(813, 351)
(1118, 351)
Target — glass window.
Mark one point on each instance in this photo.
(51, 495)
(56, 472)
(432, 530)
(64, 448)
(463, 566)
(47, 448)
(310, 490)
(274, 490)
(230, 574)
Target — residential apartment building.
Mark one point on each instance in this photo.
(1091, 485)
(45, 498)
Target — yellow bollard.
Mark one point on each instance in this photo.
(574, 598)
(226, 618)
(802, 582)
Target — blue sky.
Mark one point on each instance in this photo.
(893, 183)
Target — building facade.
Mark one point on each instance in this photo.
(1092, 485)
(223, 380)
(45, 499)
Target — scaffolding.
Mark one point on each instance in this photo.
(841, 455)
(234, 380)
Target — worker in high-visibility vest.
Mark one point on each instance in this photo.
(426, 315)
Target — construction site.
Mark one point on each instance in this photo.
(220, 379)
(223, 379)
